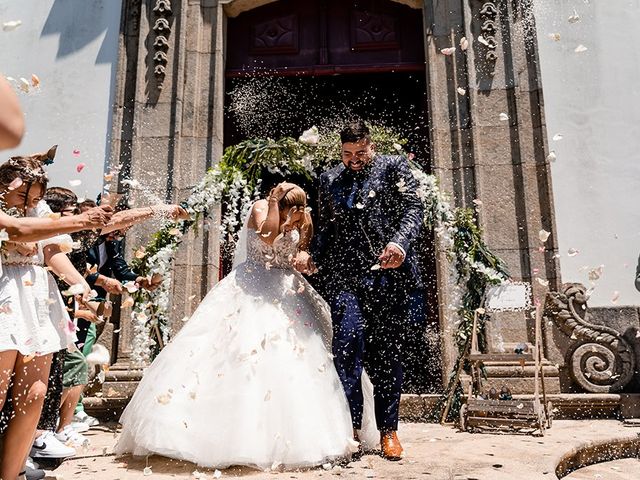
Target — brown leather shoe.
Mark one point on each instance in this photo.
(391, 448)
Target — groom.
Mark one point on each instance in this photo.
(369, 219)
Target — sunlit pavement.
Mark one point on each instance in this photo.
(431, 452)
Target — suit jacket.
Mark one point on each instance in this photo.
(111, 262)
(360, 213)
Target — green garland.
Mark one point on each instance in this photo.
(234, 183)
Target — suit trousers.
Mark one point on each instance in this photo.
(369, 320)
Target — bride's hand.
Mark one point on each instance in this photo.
(279, 191)
(304, 263)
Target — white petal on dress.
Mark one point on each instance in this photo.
(249, 379)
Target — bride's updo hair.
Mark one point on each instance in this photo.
(295, 197)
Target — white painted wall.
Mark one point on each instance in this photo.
(72, 46)
(593, 99)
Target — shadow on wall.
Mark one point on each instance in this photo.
(80, 22)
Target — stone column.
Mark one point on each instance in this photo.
(489, 142)
(168, 128)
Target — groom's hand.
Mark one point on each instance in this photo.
(392, 257)
(304, 263)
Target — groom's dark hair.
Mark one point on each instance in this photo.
(355, 131)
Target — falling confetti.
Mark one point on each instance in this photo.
(544, 283)
(80, 167)
(15, 183)
(108, 177)
(575, 18)
(376, 267)
(580, 49)
(217, 474)
(615, 297)
(402, 186)
(572, 252)
(147, 471)
(75, 183)
(555, 37)
(552, 156)
(76, 152)
(461, 91)
(12, 25)
(448, 51)
(543, 235)
(483, 40)
(557, 137)
(24, 85)
(130, 286)
(4, 236)
(477, 202)
(372, 193)
(127, 302)
(464, 43)
(164, 399)
(596, 273)
(359, 206)
(35, 81)
(504, 117)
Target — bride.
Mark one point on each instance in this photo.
(249, 380)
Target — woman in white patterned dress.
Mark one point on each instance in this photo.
(249, 380)
(33, 320)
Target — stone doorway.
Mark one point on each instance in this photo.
(289, 68)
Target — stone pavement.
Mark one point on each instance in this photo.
(433, 452)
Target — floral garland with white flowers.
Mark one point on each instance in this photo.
(234, 183)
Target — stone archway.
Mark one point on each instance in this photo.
(168, 125)
(233, 8)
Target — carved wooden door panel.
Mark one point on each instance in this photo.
(316, 37)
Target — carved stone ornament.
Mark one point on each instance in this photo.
(489, 13)
(600, 360)
(160, 46)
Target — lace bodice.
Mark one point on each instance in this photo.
(278, 255)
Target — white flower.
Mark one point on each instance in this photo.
(310, 137)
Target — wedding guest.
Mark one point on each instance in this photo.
(35, 324)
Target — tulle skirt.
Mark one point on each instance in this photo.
(249, 380)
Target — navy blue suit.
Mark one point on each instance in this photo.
(360, 213)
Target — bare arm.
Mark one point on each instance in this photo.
(34, 229)
(11, 117)
(130, 217)
(62, 266)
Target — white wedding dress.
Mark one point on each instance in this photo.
(249, 380)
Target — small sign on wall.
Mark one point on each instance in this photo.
(509, 297)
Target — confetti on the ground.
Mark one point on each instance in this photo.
(543, 235)
(504, 117)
